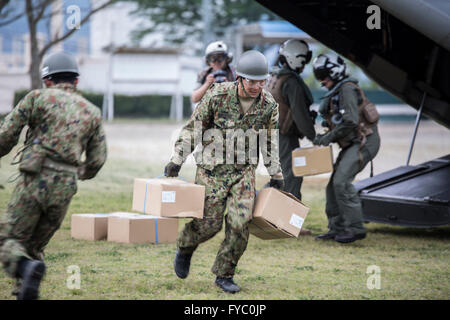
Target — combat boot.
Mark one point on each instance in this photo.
(348, 237)
(31, 272)
(327, 236)
(182, 264)
(227, 285)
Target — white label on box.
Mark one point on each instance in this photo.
(296, 221)
(299, 161)
(168, 196)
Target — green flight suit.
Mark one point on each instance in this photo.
(343, 205)
(298, 98)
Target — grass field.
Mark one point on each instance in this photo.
(413, 263)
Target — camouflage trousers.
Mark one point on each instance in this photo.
(35, 212)
(226, 188)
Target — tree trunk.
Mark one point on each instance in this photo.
(34, 72)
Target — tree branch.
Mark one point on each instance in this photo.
(3, 4)
(16, 17)
(42, 7)
(70, 32)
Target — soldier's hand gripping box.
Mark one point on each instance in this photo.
(92, 226)
(138, 228)
(277, 215)
(171, 198)
(311, 161)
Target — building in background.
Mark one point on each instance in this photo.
(91, 45)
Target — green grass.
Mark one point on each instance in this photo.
(414, 263)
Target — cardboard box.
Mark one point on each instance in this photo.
(140, 228)
(277, 215)
(168, 198)
(311, 161)
(89, 226)
(92, 226)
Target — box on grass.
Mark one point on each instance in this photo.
(138, 228)
(92, 226)
(277, 215)
(311, 161)
(168, 198)
(89, 226)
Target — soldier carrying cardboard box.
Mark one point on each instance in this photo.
(228, 107)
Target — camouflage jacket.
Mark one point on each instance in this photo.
(218, 118)
(64, 122)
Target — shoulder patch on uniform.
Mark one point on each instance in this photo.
(268, 97)
(222, 88)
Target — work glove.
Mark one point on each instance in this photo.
(172, 169)
(322, 139)
(277, 182)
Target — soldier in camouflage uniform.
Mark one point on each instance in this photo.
(62, 126)
(230, 183)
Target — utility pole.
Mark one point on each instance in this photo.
(108, 98)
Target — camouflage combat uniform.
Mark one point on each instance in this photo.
(62, 125)
(228, 185)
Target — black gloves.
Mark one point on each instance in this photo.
(276, 183)
(322, 139)
(171, 170)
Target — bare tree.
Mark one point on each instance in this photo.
(3, 4)
(35, 11)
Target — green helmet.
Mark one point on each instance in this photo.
(59, 62)
(252, 65)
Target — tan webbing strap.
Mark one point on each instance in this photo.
(59, 166)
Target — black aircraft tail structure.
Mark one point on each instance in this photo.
(408, 54)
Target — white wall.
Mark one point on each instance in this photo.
(156, 74)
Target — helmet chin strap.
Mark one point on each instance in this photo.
(243, 89)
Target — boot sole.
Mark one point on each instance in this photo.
(350, 240)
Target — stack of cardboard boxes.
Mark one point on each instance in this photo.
(276, 214)
(161, 201)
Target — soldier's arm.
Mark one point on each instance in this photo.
(271, 156)
(348, 101)
(294, 95)
(12, 125)
(200, 121)
(96, 152)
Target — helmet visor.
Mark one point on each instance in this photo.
(321, 73)
(216, 57)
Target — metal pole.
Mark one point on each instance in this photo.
(416, 126)
(429, 77)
